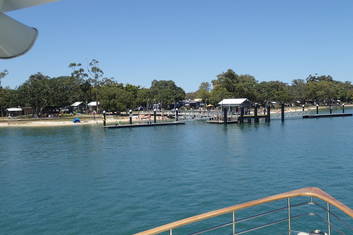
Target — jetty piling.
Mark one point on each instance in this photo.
(317, 109)
(255, 114)
(155, 116)
(104, 118)
(225, 115)
(282, 112)
(241, 119)
(130, 116)
(176, 114)
(268, 116)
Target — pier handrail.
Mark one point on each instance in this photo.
(306, 192)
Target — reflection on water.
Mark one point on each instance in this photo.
(87, 180)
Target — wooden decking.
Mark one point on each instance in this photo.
(328, 115)
(144, 125)
(222, 122)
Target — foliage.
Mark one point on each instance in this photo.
(89, 84)
(166, 93)
(204, 92)
(231, 85)
(36, 92)
(3, 74)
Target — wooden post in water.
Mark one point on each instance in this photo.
(225, 115)
(241, 120)
(282, 112)
(155, 115)
(268, 118)
(176, 114)
(342, 108)
(255, 114)
(104, 118)
(130, 116)
(317, 109)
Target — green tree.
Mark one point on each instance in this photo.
(166, 93)
(3, 74)
(298, 90)
(36, 92)
(204, 92)
(64, 91)
(273, 91)
(231, 85)
(115, 98)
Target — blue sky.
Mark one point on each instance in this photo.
(189, 41)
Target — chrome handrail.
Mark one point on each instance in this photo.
(306, 192)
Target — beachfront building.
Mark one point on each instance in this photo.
(233, 105)
(93, 106)
(78, 106)
(11, 112)
(192, 104)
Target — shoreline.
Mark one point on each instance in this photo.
(65, 122)
(86, 121)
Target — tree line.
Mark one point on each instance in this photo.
(45, 94)
(315, 89)
(89, 83)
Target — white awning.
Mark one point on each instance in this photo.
(14, 110)
(76, 104)
(93, 104)
(233, 102)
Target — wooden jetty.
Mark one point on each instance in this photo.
(222, 122)
(144, 125)
(328, 115)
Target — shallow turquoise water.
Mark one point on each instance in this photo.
(86, 180)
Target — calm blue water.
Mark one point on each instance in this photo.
(86, 180)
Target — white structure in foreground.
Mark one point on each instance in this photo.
(15, 37)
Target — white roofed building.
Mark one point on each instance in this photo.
(16, 111)
(93, 106)
(78, 106)
(238, 102)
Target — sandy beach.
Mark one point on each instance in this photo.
(5, 122)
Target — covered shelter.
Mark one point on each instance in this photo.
(238, 102)
(93, 106)
(234, 106)
(78, 106)
(14, 111)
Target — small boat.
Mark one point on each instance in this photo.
(306, 211)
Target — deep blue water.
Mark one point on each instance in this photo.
(87, 180)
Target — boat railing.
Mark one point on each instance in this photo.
(321, 208)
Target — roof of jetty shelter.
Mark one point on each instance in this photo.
(76, 104)
(234, 102)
